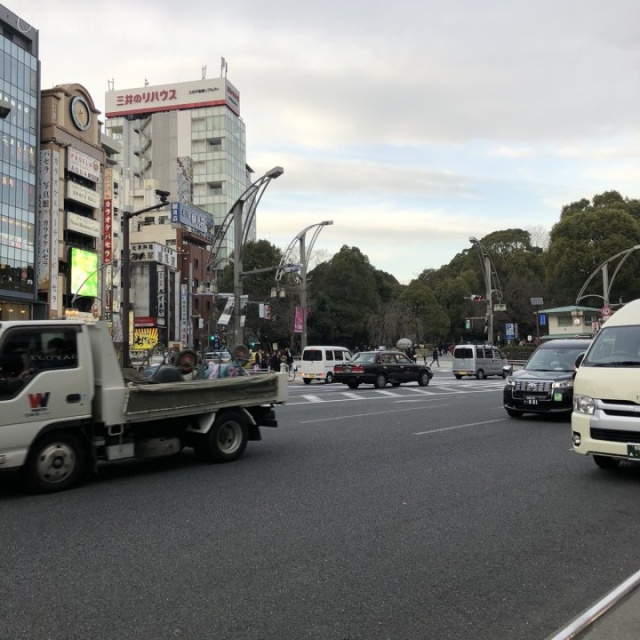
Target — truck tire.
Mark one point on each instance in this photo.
(605, 462)
(56, 462)
(226, 440)
(480, 375)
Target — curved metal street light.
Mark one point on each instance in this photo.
(305, 253)
(490, 278)
(252, 195)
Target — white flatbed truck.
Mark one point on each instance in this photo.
(70, 408)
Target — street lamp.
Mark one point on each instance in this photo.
(253, 193)
(305, 253)
(489, 275)
(126, 275)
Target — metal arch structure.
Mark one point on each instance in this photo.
(300, 238)
(606, 283)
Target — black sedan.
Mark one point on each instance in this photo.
(379, 368)
(545, 385)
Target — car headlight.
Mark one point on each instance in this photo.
(564, 384)
(583, 404)
(510, 382)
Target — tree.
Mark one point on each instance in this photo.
(586, 238)
(255, 256)
(343, 293)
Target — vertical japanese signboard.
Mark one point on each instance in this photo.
(48, 227)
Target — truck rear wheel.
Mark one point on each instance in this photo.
(226, 440)
(56, 462)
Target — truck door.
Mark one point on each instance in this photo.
(45, 374)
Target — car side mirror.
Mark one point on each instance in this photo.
(507, 369)
(579, 359)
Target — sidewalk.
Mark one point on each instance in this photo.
(614, 617)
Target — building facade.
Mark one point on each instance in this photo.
(19, 128)
(70, 245)
(186, 138)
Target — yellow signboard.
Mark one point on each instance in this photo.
(145, 338)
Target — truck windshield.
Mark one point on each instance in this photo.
(615, 347)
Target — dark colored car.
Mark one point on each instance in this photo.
(545, 385)
(379, 368)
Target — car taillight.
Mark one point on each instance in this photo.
(337, 368)
(357, 368)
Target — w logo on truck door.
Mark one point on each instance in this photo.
(38, 400)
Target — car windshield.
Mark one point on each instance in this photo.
(554, 359)
(364, 356)
(217, 355)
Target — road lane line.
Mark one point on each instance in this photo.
(460, 426)
(371, 413)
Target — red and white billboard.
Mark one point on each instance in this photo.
(171, 97)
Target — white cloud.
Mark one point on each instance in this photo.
(412, 125)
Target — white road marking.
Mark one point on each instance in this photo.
(460, 426)
(370, 413)
(313, 398)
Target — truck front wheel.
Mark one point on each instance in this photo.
(56, 462)
(226, 440)
(605, 462)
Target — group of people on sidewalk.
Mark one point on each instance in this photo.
(272, 361)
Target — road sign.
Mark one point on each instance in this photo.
(499, 307)
(605, 311)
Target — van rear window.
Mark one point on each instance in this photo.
(463, 352)
(312, 355)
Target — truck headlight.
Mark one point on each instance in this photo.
(565, 384)
(583, 404)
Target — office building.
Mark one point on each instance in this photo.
(186, 138)
(19, 117)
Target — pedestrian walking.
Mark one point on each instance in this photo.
(435, 357)
(275, 361)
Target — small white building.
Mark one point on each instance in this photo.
(568, 322)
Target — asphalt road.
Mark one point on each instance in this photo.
(402, 514)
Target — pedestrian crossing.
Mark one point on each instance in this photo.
(436, 389)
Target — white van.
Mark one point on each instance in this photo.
(318, 362)
(479, 360)
(605, 422)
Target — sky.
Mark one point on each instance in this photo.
(412, 125)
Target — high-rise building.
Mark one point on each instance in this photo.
(186, 138)
(19, 118)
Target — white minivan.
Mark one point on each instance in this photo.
(479, 360)
(318, 362)
(605, 422)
